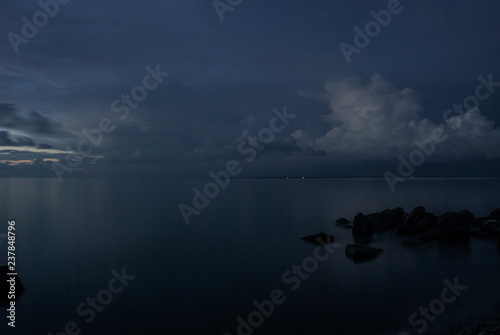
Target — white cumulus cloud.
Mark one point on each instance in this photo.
(375, 119)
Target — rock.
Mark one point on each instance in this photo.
(492, 228)
(478, 222)
(489, 230)
(417, 222)
(495, 214)
(361, 252)
(5, 286)
(344, 223)
(362, 226)
(415, 216)
(319, 238)
(434, 233)
(455, 224)
(387, 219)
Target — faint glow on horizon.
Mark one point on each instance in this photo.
(31, 149)
(10, 150)
(29, 162)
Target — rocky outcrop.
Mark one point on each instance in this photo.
(495, 214)
(365, 226)
(489, 229)
(455, 225)
(417, 222)
(362, 226)
(421, 227)
(362, 252)
(387, 219)
(319, 238)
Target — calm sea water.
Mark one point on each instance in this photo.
(199, 278)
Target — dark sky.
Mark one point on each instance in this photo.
(225, 78)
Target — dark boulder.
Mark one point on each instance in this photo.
(344, 225)
(495, 214)
(362, 226)
(455, 224)
(415, 216)
(417, 222)
(361, 252)
(489, 229)
(342, 221)
(492, 229)
(434, 233)
(319, 238)
(5, 285)
(387, 219)
(479, 222)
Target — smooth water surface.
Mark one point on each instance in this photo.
(199, 278)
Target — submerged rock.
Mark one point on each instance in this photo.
(362, 226)
(421, 226)
(479, 222)
(489, 229)
(362, 252)
(387, 219)
(365, 226)
(495, 214)
(455, 225)
(319, 238)
(5, 285)
(344, 223)
(417, 222)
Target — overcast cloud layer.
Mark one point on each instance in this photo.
(225, 78)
